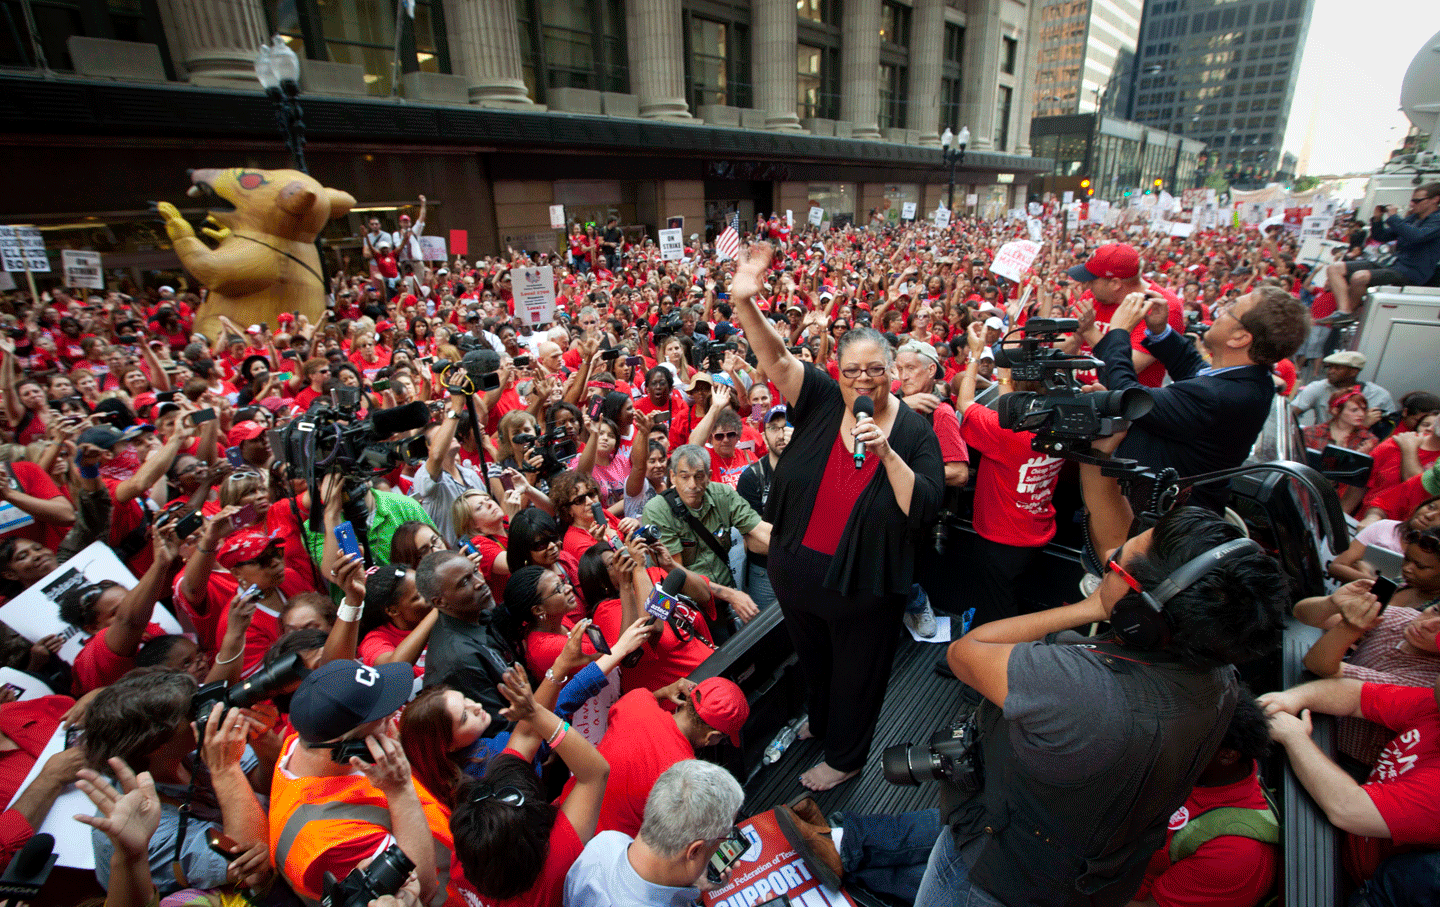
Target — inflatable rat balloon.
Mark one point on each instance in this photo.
(264, 262)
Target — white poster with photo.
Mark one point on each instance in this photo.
(672, 245)
(1034, 228)
(82, 269)
(73, 846)
(816, 216)
(433, 248)
(1314, 227)
(557, 217)
(35, 613)
(1034, 209)
(23, 685)
(907, 211)
(1015, 258)
(534, 290)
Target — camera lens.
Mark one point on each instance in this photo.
(909, 765)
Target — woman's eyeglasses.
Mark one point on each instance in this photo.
(587, 496)
(725, 435)
(873, 371)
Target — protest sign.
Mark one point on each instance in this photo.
(23, 249)
(1067, 197)
(1015, 258)
(790, 218)
(907, 211)
(770, 872)
(1314, 226)
(942, 217)
(433, 248)
(557, 217)
(672, 245)
(1072, 217)
(1035, 228)
(73, 846)
(24, 686)
(1098, 209)
(35, 612)
(1181, 229)
(82, 269)
(972, 199)
(1316, 250)
(1034, 209)
(534, 290)
(816, 215)
(460, 242)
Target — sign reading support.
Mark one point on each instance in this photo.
(816, 215)
(1015, 258)
(23, 249)
(672, 245)
(534, 290)
(82, 269)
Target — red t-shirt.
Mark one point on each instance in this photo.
(508, 402)
(306, 397)
(490, 550)
(840, 487)
(549, 888)
(727, 471)
(1015, 484)
(96, 666)
(577, 541)
(1286, 370)
(1400, 501)
(264, 629)
(30, 724)
(542, 648)
(35, 482)
(1154, 374)
(667, 662)
(947, 429)
(384, 639)
(371, 369)
(124, 519)
(676, 406)
(1385, 471)
(641, 741)
(1403, 783)
(1227, 871)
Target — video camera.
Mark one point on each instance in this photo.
(1064, 419)
(386, 874)
(332, 438)
(260, 686)
(668, 325)
(477, 372)
(712, 353)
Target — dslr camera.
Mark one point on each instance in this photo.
(386, 874)
(260, 686)
(953, 755)
(1064, 419)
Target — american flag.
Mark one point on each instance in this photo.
(728, 245)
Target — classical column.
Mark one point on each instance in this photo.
(773, 50)
(485, 48)
(657, 58)
(927, 63)
(982, 72)
(219, 40)
(860, 68)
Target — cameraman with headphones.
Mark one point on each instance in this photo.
(1086, 746)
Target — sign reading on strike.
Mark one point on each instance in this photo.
(23, 249)
(1015, 258)
(534, 290)
(816, 215)
(942, 217)
(907, 211)
(82, 269)
(672, 245)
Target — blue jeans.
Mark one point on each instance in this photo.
(887, 853)
(947, 880)
(1406, 880)
(757, 583)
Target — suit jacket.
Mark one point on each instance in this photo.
(1199, 423)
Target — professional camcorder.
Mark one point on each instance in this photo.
(332, 438)
(257, 688)
(1064, 419)
(386, 874)
(712, 353)
(953, 754)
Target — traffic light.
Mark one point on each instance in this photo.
(1085, 184)
(1126, 193)
(1158, 182)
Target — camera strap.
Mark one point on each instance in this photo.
(677, 505)
(176, 867)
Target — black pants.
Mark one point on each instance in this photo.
(998, 571)
(846, 646)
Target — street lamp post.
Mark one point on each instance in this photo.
(952, 151)
(278, 69)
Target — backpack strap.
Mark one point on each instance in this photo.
(1258, 824)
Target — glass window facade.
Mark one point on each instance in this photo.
(573, 44)
(362, 33)
(719, 62)
(838, 200)
(824, 12)
(893, 87)
(1002, 118)
(818, 70)
(895, 24)
(57, 20)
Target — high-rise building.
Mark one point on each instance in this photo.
(502, 111)
(1084, 51)
(1223, 72)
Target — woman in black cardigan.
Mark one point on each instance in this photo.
(842, 547)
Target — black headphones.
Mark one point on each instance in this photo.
(1140, 620)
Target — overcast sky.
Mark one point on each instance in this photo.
(1354, 60)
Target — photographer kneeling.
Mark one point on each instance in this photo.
(1087, 746)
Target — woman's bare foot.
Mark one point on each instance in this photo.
(823, 777)
(804, 733)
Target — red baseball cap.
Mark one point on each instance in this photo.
(244, 431)
(1115, 260)
(721, 704)
(245, 545)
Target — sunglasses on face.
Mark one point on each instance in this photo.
(587, 496)
(1426, 541)
(725, 435)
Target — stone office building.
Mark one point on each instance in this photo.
(498, 109)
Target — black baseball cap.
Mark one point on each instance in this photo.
(339, 696)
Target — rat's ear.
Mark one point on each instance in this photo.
(296, 199)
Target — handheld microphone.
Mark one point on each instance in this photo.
(661, 603)
(30, 868)
(863, 406)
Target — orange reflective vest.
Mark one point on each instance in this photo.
(311, 816)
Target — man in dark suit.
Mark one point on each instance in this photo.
(1208, 417)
